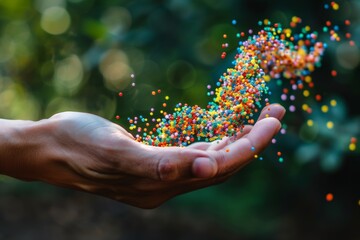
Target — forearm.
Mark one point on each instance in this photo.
(24, 147)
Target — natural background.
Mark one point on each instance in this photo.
(58, 55)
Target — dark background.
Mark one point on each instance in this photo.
(49, 64)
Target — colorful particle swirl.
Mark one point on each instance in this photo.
(272, 53)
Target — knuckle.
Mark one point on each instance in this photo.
(166, 170)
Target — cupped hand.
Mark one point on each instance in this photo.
(100, 157)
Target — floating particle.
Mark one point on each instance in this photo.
(324, 108)
(117, 117)
(227, 150)
(225, 36)
(333, 73)
(153, 93)
(333, 103)
(329, 197)
(352, 145)
(120, 94)
(310, 123)
(281, 160)
(335, 6)
(330, 125)
(234, 21)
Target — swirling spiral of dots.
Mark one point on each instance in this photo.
(273, 53)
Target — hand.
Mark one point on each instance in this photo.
(100, 157)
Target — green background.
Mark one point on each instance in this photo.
(77, 55)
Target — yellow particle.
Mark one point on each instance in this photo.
(310, 123)
(324, 108)
(305, 107)
(307, 28)
(333, 103)
(267, 78)
(329, 124)
(335, 6)
(306, 93)
(352, 147)
(151, 113)
(167, 98)
(266, 115)
(308, 79)
(256, 156)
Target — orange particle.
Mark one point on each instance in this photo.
(225, 36)
(153, 93)
(333, 73)
(329, 197)
(164, 104)
(279, 154)
(227, 150)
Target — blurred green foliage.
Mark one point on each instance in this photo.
(58, 55)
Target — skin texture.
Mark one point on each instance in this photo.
(85, 152)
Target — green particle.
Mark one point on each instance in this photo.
(281, 160)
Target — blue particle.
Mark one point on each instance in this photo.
(326, 6)
(261, 158)
(252, 148)
(233, 22)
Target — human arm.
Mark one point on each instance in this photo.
(86, 152)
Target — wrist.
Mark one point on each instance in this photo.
(24, 148)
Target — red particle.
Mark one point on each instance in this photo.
(318, 97)
(348, 35)
(328, 23)
(223, 55)
(347, 22)
(352, 43)
(117, 117)
(329, 197)
(353, 140)
(242, 34)
(159, 91)
(333, 73)
(279, 154)
(120, 94)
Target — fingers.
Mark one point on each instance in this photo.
(240, 152)
(273, 110)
